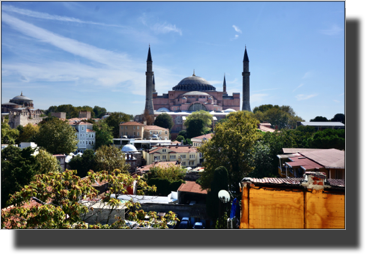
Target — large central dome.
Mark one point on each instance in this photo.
(194, 83)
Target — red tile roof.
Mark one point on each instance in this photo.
(175, 149)
(266, 127)
(90, 130)
(206, 136)
(191, 186)
(158, 164)
(154, 128)
(131, 123)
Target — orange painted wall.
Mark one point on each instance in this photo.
(276, 208)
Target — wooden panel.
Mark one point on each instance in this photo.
(275, 208)
(324, 210)
(244, 209)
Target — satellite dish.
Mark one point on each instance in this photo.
(224, 196)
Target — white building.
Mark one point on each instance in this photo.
(85, 135)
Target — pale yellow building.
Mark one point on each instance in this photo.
(131, 129)
(156, 132)
(189, 156)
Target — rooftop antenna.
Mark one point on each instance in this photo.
(193, 72)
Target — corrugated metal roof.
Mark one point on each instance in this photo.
(303, 162)
(323, 124)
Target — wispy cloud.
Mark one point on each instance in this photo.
(237, 29)
(300, 85)
(159, 27)
(333, 30)
(46, 16)
(301, 97)
(307, 75)
(165, 28)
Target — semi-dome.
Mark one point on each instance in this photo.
(192, 83)
(192, 93)
(229, 110)
(128, 148)
(163, 110)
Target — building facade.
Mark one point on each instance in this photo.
(85, 135)
(188, 156)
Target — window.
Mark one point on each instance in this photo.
(200, 155)
(172, 157)
(138, 133)
(164, 150)
(163, 157)
(138, 127)
(134, 127)
(156, 158)
(183, 163)
(192, 156)
(183, 156)
(166, 132)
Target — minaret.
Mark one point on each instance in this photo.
(154, 85)
(149, 85)
(246, 73)
(224, 85)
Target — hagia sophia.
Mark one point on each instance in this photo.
(191, 94)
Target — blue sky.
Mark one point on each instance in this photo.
(94, 53)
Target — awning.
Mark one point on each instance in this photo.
(303, 162)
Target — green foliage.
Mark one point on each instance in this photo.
(28, 133)
(103, 134)
(68, 202)
(18, 166)
(339, 117)
(114, 121)
(56, 136)
(164, 187)
(328, 138)
(83, 164)
(183, 133)
(231, 147)
(180, 138)
(221, 223)
(196, 127)
(99, 112)
(164, 120)
(109, 158)
(48, 163)
(171, 173)
(262, 161)
(319, 119)
(279, 116)
(8, 135)
(203, 115)
(219, 182)
(73, 112)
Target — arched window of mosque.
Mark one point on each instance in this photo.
(196, 107)
(178, 120)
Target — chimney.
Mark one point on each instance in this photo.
(314, 180)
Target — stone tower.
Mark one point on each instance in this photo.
(149, 85)
(246, 73)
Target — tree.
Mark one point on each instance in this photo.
(319, 119)
(202, 115)
(166, 179)
(99, 112)
(262, 161)
(279, 116)
(8, 135)
(83, 164)
(114, 120)
(219, 182)
(18, 166)
(109, 158)
(339, 117)
(180, 138)
(164, 120)
(103, 134)
(196, 127)
(28, 133)
(232, 147)
(66, 201)
(328, 138)
(57, 136)
(48, 163)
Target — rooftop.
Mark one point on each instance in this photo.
(191, 186)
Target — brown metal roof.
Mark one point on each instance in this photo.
(303, 162)
(329, 158)
(278, 181)
(191, 186)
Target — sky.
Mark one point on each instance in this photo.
(94, 53)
